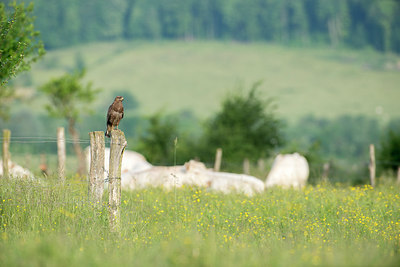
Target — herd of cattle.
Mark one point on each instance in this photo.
(288, 170)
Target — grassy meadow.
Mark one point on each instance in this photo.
(177, 75)
(50, 224)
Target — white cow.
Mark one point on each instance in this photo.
(137, 173)
(16, 170)
(289, 170)
(193, 173)
(240, 183)
(131, 161)
(167, 177)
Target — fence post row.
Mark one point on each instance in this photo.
(246, 166)
(96, 172)
(261, 165)
(325, 171)
(372, 166)
(117, 147)
(218, 158)
(6, 152)
(61, 153)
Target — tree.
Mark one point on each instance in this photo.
(69, 99)
(157, 144)
(19, 47)
(246, 127)
(389, 153)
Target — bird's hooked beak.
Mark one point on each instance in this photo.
(122, 99)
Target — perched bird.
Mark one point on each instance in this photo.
(114, 115)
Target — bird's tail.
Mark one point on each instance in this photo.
(108, 132)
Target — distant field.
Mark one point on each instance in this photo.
(196, 76)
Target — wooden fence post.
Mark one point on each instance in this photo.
(325, 171)
(246, 166)
(261, 165)
(117, 147)
(96, 172)
(398, 175)
(61, 154)
(371, 166)
(218, 158)
(6, 152)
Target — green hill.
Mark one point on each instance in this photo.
(196, 76)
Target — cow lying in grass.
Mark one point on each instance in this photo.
(193, 173)
(16, 171)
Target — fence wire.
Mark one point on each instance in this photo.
(45, 139)
(363, 163)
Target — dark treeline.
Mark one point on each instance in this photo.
(356, 23)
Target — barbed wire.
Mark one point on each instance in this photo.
(46, 139)
(42, 139)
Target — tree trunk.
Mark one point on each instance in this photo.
(77, 148)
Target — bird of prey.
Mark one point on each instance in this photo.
(115, 114)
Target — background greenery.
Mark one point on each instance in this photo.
(331, 101)
(367, 23)
(330, 78)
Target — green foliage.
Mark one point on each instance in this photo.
(342, 142)
(52, 224)
(389, 152)
(158, 142)
(68, 97)
(169, 139)
(20, 46)
(246, 127)
(342, 137)
(356, 23)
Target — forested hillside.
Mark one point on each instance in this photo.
(355, 23)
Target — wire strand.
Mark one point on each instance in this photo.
(46, 139)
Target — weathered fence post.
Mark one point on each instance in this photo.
(398, 175)
(6, 152)
(261, 165)
(218, 158)
(61, 154)
(325, 171)
(117, 147)
(96, 172)
(246, 166)
(371, 166)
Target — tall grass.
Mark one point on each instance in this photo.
(47, 224)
